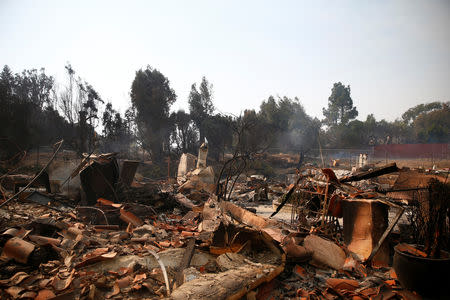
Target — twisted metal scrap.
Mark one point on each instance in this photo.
(230, 172)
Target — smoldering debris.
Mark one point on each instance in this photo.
(326, 234)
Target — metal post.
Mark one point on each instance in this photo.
(168, 168)
(37, 157)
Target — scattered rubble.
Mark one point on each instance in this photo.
(210, 236)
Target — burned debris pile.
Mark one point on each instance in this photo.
(103, 232)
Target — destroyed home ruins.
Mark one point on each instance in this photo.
(220, 232)
(221, 207)
(242, 150)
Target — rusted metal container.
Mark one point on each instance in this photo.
(365, 221)
(427, 276)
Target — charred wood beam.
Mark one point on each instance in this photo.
(286, 198)
(185, 262)
(389, 168)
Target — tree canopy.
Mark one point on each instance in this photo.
(340, 108)
(433, 126)
(34, 111)
(411, 114)
(152, 97)
(184, 134)
(288, 123)
(200, 105)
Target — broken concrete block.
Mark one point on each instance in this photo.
(196, 184)
(187, 164)
(228, 261)
(199, 179)
(325, 253)
(205, 175)
(190, 274)
(202, 154)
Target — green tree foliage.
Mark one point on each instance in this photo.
(433, 126)
(34, 112)
(252, 133)
(277, 113)
(411, 114)
(288, 124)
(184, 134)
(351, 135)
(383, 132)
(27, 112)
(200, 105)
(117, 134)
(219, 133)
(152, 97)
(340, 106)
(13, 108)
(357, 134)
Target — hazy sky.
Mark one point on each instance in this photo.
(393, 54)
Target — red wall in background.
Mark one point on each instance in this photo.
(413, 150)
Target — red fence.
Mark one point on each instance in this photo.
(439, 151)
